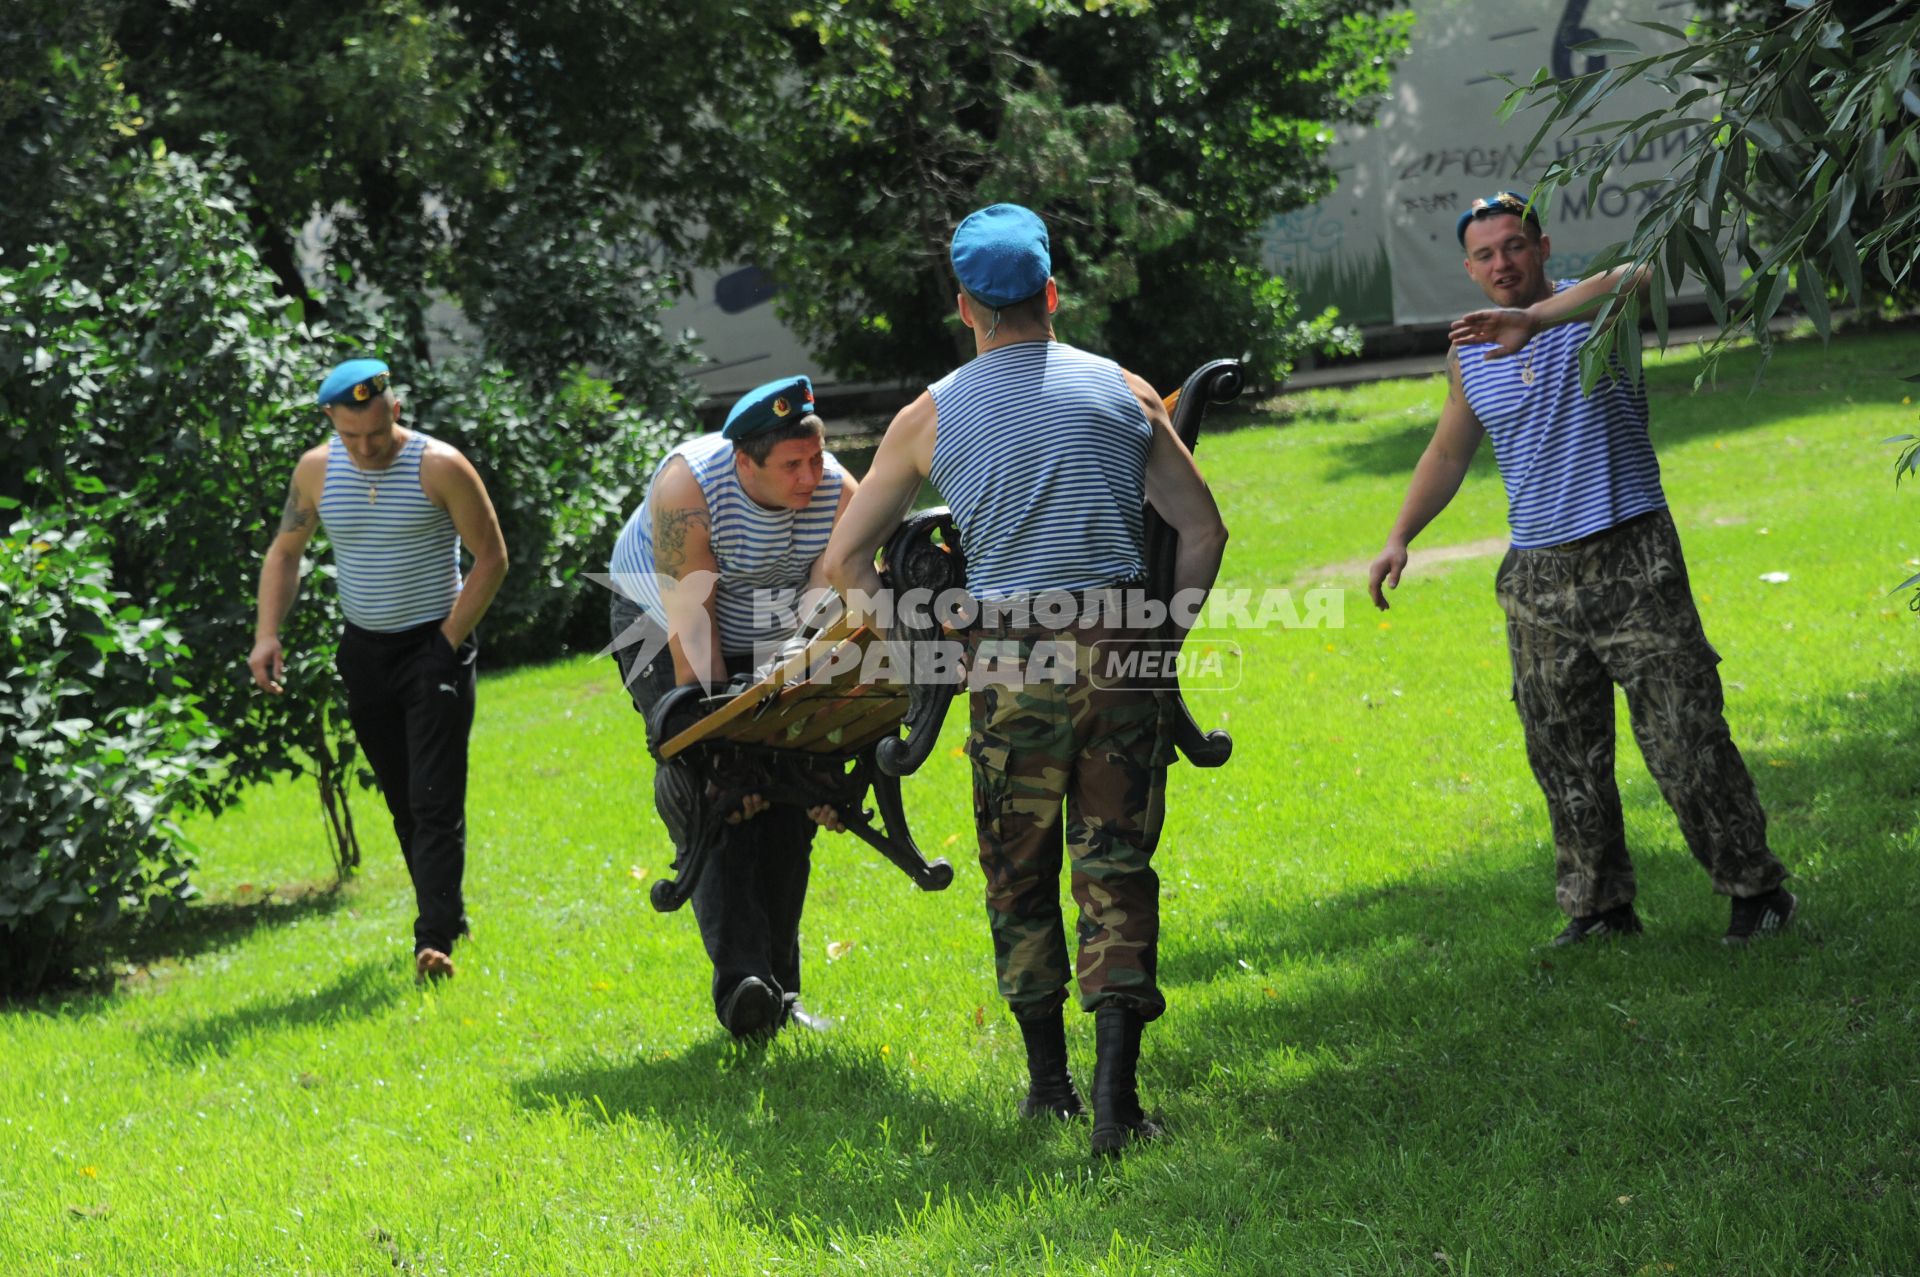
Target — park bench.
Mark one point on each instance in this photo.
(817, 729)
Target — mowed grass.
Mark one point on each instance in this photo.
(1370, 1064)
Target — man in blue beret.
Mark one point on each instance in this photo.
(1594, 585)
(709, 573)
(397, 507)
(1047, 456)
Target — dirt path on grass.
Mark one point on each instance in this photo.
(1418, 559)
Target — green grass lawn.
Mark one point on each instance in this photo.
(1370, 1063)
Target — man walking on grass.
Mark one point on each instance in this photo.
(396, 506)
(707, 572)
(1047, 456)
(1594, 586)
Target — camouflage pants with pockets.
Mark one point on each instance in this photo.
(1101, 752)
(1617, 608)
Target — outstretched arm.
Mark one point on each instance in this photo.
(1436, 478)
(1510, 328)
(280, 570)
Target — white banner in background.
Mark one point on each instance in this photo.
(1382, 246)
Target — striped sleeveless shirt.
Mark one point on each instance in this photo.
(396, 555)
(1040, 450)
(1572, 464)
(764, 555)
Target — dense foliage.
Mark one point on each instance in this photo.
(1800, 162)
(100, 742)
(156, 384)
(1156, 139)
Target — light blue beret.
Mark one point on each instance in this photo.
(764, 407)
(352, 383)
(1001, 255)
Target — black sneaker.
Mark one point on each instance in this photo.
(752, 1010)
(1620, 920)
(1760, 915)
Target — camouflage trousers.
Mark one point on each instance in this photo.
(1617, 608)
(1039, 744)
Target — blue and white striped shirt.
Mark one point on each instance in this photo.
(1040, 450)
(764, 555)
(396, 555)
(1573, 464)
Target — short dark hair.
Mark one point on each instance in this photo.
(759, 447)
(1028, 311)
(1503, 204)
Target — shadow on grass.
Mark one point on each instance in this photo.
(211, 924)
(365, 989)
(824, 1134)
(1368, 1081)
(1423, 1032)
(123, 958)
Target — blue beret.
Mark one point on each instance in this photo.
(764, 407)
(1000, 254)
(343, 384)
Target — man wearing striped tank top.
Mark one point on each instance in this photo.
(1047, 456)
(1594, 586)
(396, 506)
(708, 576)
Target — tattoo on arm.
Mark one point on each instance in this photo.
(296, 516)
(670, 528)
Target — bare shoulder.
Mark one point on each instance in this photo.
(1140, 385)
(911, 432)
(310, 472)
(917, 417)
(1150, 401)
(441, 454)
(444, 467)
(675, 488)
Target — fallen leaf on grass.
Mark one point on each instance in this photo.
(1624, 1198)
(838, 949)
(88, 1212)
(979, 1017)
(637, 872)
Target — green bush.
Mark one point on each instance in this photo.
(152, 371)
(101, 739)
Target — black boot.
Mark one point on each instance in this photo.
(1117, 1118)
(1050, 1090)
